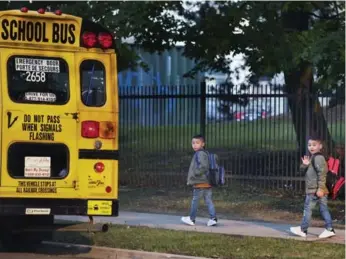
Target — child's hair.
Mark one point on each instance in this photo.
(200, 137)
(315, 138)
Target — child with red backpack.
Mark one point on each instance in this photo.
(315, 169)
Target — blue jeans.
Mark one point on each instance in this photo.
(197, 194)
(310, 202)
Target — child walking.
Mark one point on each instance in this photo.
(315, 188)
(197, 177)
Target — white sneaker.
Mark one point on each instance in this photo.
(297, 231)
(212, 222)
(188, 221)
(327, 233)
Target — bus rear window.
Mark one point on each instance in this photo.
(93, 83)
(38, 80)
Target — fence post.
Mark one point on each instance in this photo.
(307, 114)
(203, 107)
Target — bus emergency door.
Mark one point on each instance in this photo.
(39, 123)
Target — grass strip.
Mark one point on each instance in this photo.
(203, 244)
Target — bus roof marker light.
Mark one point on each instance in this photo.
(58, 12)
(105, 40)
(24, 9)
(89, 39)
(41, 11)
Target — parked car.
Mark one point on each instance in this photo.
(253, 111)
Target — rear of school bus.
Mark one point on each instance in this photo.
(59, 123)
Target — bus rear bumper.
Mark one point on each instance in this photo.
(45, 206)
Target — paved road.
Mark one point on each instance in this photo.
(54, 250)
(45, 251)
(51, 251)
(231, 227)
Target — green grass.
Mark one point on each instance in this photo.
(204, 244)
(269, 143)
(237, 203)
(270, 134)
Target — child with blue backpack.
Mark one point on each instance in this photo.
(198, 179)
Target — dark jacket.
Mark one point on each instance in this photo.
(315, 180)
(199, 167)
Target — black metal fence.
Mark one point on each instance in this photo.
(250, 129)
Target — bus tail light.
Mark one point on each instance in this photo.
(107, 130)
(41, 11)
(99, 167)
(24, 9)
(90, 129)
(105, 40)
(89, 39)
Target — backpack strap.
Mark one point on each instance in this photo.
(212, 160)
(196, 157)
(313, 161)
(197, 160)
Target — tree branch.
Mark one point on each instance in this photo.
(325, 16)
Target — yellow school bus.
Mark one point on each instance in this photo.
(59, 126)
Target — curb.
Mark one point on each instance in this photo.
(101, 252)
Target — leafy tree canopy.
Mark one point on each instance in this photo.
(273, 36)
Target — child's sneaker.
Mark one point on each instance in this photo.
(212, 222)
(298, 231)
(327, 233)
(188, 221)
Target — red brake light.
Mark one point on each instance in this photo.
(41, 11)
(89, 39)
(105, 40)
(24, 9)
(90, 129)
(58, 12)
(99, 167)
(108, 189)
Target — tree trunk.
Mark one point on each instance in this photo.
(307, 114)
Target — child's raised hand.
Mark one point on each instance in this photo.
(306, 160)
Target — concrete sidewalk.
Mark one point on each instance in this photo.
(230, 227)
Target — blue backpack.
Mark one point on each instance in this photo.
(216, 173)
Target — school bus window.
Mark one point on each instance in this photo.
(38, 80)
(38, 160)
(93, 83)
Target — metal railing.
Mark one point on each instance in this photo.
(251, 130)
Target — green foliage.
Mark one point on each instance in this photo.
(143, 21)
(279, 36)
(274, 36)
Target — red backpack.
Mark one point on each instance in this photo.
(335, 180)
